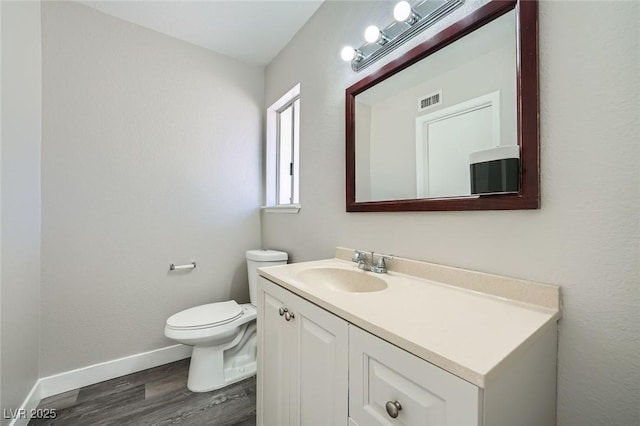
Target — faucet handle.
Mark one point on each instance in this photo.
(382, 259)
(381, 265)
(357, 256)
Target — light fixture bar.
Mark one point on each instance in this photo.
(423, 23)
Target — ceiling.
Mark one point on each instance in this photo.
(252, 31)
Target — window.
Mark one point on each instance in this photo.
(282, 153)
(288, 123)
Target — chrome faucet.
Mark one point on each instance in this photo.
(363, 262)
(361, 258)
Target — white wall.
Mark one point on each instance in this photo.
(585, 236)
(1, 73)
(20, 200)
(151, 155)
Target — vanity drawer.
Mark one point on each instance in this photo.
(417, 392)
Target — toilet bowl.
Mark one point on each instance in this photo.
(223, 334)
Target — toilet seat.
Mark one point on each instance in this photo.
(212, 334)
(205, 316)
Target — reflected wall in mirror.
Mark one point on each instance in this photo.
(452, 124)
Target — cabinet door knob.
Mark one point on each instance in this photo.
(393, 408)
(282, 311)
(289, 316)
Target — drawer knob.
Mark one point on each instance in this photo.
(393, 408)
(282, 311)
(289, 316)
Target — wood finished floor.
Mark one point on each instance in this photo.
(158, 396)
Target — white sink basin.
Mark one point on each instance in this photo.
(338, 279)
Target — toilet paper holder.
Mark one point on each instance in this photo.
(174, 267)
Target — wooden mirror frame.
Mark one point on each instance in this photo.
(527, 114)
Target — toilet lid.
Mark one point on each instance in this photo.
(206, 315)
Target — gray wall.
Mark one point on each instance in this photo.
(585, 236)
(151, 155)
(20, 200)
(1, 118)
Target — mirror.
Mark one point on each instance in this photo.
(452, 124)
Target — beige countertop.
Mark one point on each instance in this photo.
(467, 323)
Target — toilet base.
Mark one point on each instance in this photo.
(214, 367)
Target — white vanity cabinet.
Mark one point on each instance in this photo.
(302, 361)
(480, 355)
(314, 369)
(389, 386)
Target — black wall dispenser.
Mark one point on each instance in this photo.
(495, 170)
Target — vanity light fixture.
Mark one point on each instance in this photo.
(373, 35)
(409, 22)
(348, 53)
(403, 12)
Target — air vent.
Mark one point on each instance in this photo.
(430, 101)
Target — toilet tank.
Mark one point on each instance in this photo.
(257, 259)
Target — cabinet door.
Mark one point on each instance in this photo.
(273, 365)
(419, 393)
(319, 387)
(302, 361)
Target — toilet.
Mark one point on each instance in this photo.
(223, 334)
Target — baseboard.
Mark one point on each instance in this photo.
(20, 417)
(74, 379)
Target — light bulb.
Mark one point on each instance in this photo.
(372, 34)
(402, 11)
(348, 53)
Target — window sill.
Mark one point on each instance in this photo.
(290, 208)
